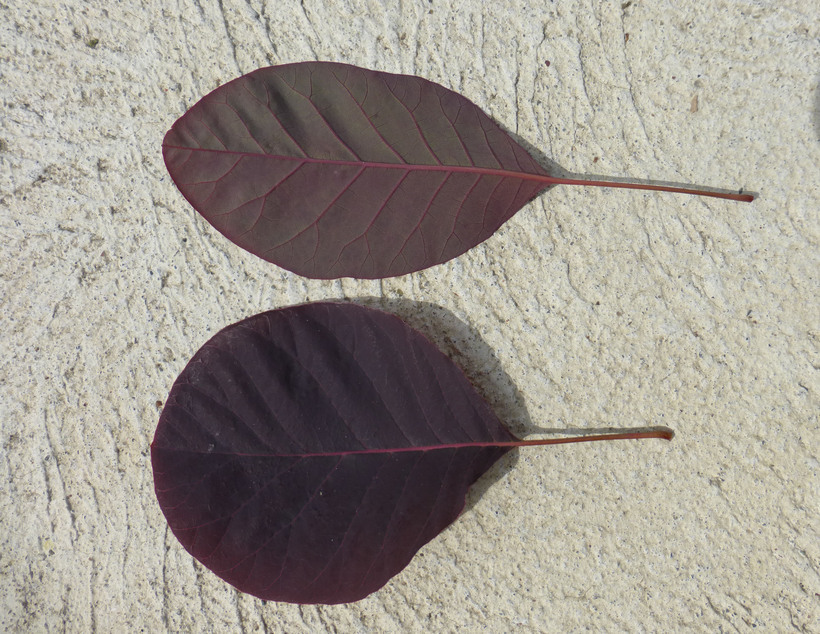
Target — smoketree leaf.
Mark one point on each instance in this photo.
(331, 170)
(305, 454)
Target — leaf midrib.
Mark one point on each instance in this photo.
(488, 171)
(351, 452)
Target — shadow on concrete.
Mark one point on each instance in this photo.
(446, 330)
(468, 350)
(816, 114)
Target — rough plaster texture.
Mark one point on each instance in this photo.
(589, 309)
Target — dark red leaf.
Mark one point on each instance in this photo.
(306, 454)
(331, 170)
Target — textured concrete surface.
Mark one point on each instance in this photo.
(590, 308)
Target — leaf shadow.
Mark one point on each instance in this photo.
(817, 108)
(468, 350)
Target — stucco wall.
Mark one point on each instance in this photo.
(591, 308)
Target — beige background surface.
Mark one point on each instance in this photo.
(590, 308)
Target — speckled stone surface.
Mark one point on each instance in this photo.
(591, 308)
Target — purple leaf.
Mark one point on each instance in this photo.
(331, 170)
(306, 454)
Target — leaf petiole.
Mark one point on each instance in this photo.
(663, 433)
(694, 191)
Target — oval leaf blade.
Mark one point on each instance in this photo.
(330, 170)
(305, 454)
